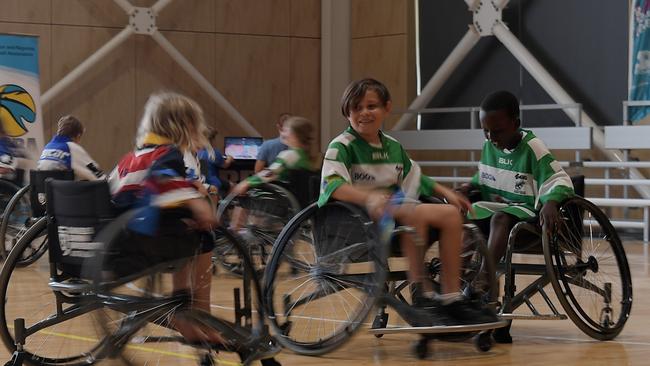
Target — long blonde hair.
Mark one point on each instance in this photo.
(176, 117)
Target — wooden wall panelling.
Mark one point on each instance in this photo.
(305, 18)
(268, 17)
(383, 58)
(305, 83)
(255, 72)
(157, 71)
(102, 13)
(378, 17)
(103, 98)
(184, 15)
(25, 11)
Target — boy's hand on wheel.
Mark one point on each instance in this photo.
(549, 215)
(376, 204)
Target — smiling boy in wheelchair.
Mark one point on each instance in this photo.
(518, 179)
(363, 166)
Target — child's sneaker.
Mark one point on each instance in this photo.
(469, 312)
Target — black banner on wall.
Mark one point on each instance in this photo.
(582, 43)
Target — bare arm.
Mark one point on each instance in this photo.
(259, 165)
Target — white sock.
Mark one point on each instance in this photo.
(448, 298)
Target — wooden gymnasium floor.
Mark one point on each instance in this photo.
(535, 342)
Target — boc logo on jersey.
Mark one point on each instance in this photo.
(17, 107)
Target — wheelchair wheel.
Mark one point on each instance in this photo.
(17, 219)
(257, 218)
(477, 273)
(8, 193)
(141, 310)
(589, 270)
(324, 274)
(477, 270)
(60, 330)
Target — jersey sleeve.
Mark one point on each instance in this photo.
(553, 182)
(287, 159)
(84, 167)
(335, 171)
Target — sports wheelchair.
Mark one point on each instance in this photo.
(331, 265)
(24, 209)
(258, 216)
(96, 298)
(584, 261)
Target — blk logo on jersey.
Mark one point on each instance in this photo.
(505, 161)
(380, 155)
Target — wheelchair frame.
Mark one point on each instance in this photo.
(375, 296)
(551, 272)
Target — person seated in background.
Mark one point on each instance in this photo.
(518, 178)
(297, 135)
(213, 162)
(271, 148)
(8, 162)
(63, 152)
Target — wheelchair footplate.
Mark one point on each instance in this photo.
(433, 328)
(442, 329)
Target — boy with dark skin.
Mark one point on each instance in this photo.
(516, 176)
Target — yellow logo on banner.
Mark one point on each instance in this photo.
(16, 108)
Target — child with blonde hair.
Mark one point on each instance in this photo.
(178, 215)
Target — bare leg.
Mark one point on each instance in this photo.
(196, 277)
(448, 220)
(500, 226)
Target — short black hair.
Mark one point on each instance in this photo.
(357, 90)
(501, 100)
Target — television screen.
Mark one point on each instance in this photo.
(242, 148)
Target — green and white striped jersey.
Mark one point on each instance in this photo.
(290, 159)
(350, 159)
(519, 181)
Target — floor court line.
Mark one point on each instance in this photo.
(140, 348)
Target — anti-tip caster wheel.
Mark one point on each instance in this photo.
(380, 322)
(421, 349)
(483, 341)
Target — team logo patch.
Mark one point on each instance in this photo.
(16, 108)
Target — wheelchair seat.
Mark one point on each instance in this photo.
(37, 194)
(76, 212)
(304, 185)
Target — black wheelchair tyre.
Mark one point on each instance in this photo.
(8, 194)
(120, 329)
(16, 220)
(9, 290)
(268, 208)
(599, 305)
(314, 245)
